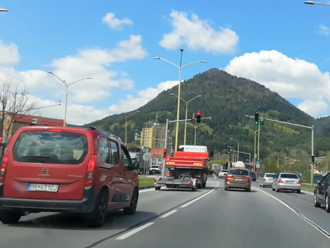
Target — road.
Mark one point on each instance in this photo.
(210, 217)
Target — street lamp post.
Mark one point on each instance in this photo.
(237, 147)
(186, 116)
(126, 124)
(3, 10)
(66, 92)
(254, 147)
(195, 130)
(314, 3)
(180, 67)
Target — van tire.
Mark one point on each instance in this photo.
(134, 201)
(99, 214)
(7, 217)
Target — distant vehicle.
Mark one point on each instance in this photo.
(287, 181)
(65, 169)
(223, 173)
(136, 154)
(238, 178)
(322, 193)
(253, 176)
(188, 168)
(267, 179)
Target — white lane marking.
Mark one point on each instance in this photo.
(313, 224)
(168, 214)
(198, 198)
(134, 231)
(217, 184)
(146, 190)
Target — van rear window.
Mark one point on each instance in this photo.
(50, 147)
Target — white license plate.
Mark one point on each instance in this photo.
(238, 179)
(289, 182)
(42, 187)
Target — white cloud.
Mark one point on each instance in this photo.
(115, 23)
(198, 34)
(291, 78)
(8, 54)
(324, 30)
(315, 108)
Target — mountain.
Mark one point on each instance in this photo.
(227, 99)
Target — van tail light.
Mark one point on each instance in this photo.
(280, 181)
(229, 176)
(90, 171)
(198, 176)
(247, 177)
(3, 167)
(299, 182)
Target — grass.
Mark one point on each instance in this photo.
(307, 187)
(146, 182)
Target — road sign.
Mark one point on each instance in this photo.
(146, 156)
(257, 161)
(257, 166)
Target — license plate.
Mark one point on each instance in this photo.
(238, 179)
(289, 182)
(42, 187)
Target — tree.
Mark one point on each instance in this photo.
(14, 103)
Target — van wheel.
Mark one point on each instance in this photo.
(7, 217)
(132, 207)
(99, 214)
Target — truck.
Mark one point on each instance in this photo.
(136, 154)
(188, 168)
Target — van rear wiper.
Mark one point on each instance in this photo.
(40, 156)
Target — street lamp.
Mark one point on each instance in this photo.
(126, 124)
(66, 92)
(49, 106)
(314, 3)
(254, 147)
(186, 116)
(180, 67)
(195, 130)
(237, 147)
(3, 10)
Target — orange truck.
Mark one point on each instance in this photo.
(188, 168)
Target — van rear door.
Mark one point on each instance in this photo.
(47, 163)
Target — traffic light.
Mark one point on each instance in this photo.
(313, 160)
(228, 151)
(193, 120)
(261, 120)
(256, 118)
(165, 151)
(198, 117)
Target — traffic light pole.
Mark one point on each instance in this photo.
(312, 140)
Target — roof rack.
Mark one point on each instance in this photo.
(105, 132)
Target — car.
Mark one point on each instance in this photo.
(322, 193)
(222, 173)
(287, 181)
(267, 179)
(67, 169)
(253, 176)
(238, 178)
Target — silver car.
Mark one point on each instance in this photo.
(287, 181)
(267, 179)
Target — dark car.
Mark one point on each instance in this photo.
(64, 169)
(253, 176)
(322, 193)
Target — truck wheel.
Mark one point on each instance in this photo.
(199, 186)
(7, 217)
(204, 185)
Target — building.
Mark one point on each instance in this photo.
(12, 122)
(154, 136)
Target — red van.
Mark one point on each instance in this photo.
(65, 169)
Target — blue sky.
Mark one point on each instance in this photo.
(282, 44)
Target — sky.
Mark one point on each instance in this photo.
(283, 45)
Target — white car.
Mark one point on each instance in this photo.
(223, 173)
(267, 179)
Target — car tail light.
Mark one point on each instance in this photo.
(3, 167)
(247, 177)
(264, 179)
(299, 182)
(191, 182)
(169, 175)
(197, 176)
(90, 171)
(54, 130)
(155, 180)
(280, 181)
(229, 176)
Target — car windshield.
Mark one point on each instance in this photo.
(271, 175)
(289, 176)
(50, 147)
(239, 172)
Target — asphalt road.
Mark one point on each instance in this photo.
(210, 217)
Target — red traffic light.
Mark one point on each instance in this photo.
(193, 120)
(165, 150)
(198, 113)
